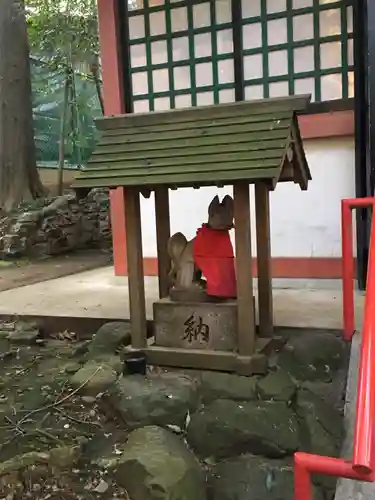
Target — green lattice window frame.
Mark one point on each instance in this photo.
(192, 61)
(317, 73)
(290, 77)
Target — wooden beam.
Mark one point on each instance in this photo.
(163, 233)
(265, 305)
(135, 268)
(246, 313)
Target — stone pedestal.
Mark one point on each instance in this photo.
(209, 326)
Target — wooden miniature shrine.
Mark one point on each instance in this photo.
(256, 142)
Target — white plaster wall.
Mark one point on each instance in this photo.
(303, 223)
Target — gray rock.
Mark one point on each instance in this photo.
(26, 338)
(314, 356)
(24, 333)
(254, 478)
(72, 367)
(227, 428)
(109, 338)
(333, 393)
(277, 386)
(217, 385)
(115, 362)
(321, 424)
(60, 224)
(163, 399)
(94, 377)
(19, 462)
(157, 465)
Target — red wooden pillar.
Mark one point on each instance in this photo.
(113, 96)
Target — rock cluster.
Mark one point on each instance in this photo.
(62, 224)
(190, 435)
(215, 435)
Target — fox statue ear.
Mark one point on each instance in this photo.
(228, 203)
(214, 205)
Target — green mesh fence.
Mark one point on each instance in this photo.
(48, 102)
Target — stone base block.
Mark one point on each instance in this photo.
(211, 326)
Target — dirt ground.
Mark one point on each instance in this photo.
(39, 411)
(21, 273)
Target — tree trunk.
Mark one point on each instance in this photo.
(60, 177)
(95, 74)
(19, 178)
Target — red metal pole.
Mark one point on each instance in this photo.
(347, 268)
(306, 464)
(363, 456)
(360, 202)
(302, 480)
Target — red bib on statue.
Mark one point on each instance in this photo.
(213, 255)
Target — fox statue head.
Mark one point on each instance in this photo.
(220, 215)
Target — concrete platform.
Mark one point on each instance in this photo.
(98, 293)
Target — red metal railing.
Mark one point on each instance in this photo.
(361, 467)
(348, 260)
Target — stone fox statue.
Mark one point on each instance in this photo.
(210, 253)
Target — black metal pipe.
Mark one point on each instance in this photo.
(123, 21)
(361, 135)
(239, 89)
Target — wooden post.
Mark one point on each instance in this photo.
(262, 205)
(163, 233)
(245, 303)
(135, 268)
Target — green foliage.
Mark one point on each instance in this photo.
(64, 31)
(63, 35)
(48, 97)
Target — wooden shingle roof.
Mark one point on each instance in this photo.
(212, 145)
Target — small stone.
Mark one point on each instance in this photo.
(64, 457)
(88, 399)
(72, 367)
(24, 336)
(277, 386)
(102, 487)
(81, 440)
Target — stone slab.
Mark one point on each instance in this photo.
(198, 325)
